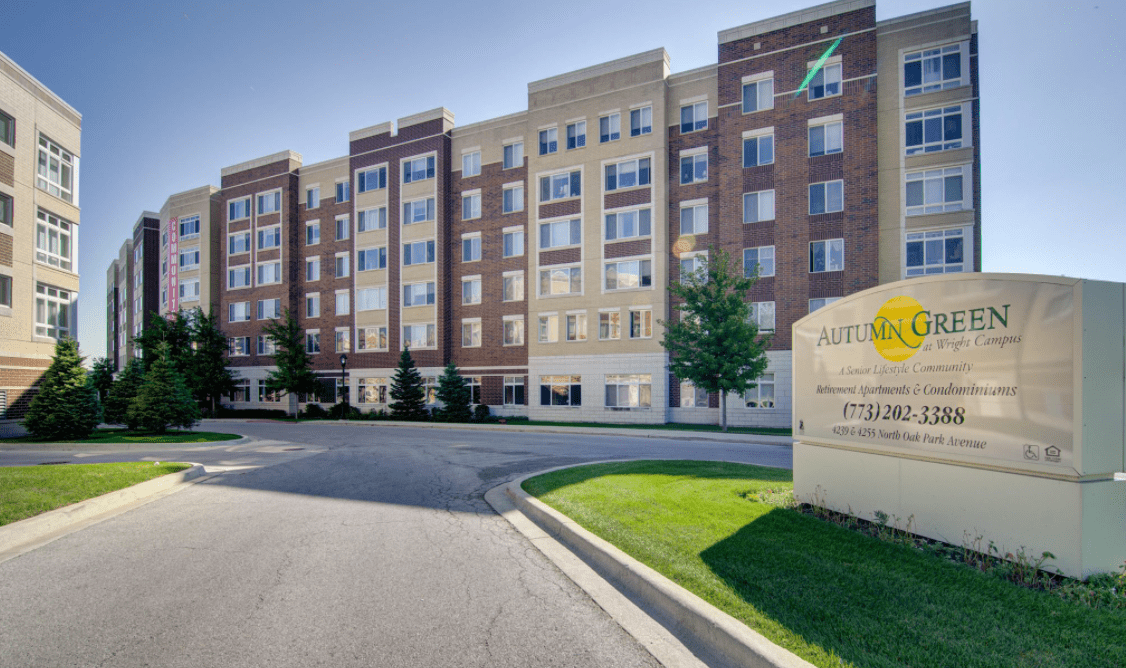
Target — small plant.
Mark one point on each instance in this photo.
(314, 412)
(481, 413)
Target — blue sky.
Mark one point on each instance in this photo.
(171, 92)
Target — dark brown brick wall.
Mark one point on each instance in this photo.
(329, 246)
(565, 256)
(571, 207)
(628, 248)
(628, 198)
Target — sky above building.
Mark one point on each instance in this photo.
(172, 92)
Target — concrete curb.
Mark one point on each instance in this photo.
(701, 622)
(18, 535)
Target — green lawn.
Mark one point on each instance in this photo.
(124, 436)
(26, 491)
(675, 426)
(833, 596)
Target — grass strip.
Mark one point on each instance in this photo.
(26, 491)
(832, 596)
(124, 436)
(672, 426)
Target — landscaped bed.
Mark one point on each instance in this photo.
(124, 436)
(26, 491)
(831, 595)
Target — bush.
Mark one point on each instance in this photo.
(314, 412)
(164, 399)
(66, 406)
(481, 414)
(251, 413)
(343, 411)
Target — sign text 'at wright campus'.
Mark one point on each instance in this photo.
(982, 404)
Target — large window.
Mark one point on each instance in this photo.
(371, 179)
(610, 325)
(471, 206)
(513, 334)
(418, 169)
(560, 186)
(7, 129)
(513, 390)
(762, 394)
(238, 346)
(5, 210)
(189, 227)
(238, 209)
(58, 173)
(933, 69)
(628, 224)
(826, 138)
(561, 391)
(312, 342)
(238, 277)
(934, 130)
(627, 174)
(268, 309)
(373, 219)
(692, 396)
(420, 336)
(312, 198)
(471, 248)
(371, 390)
(189, 259)
(936, 191)
(471, 164)
(343, 341)
(343, 193)
(758, 95)
(269, 202)
(826, 255)
(418, 294)
(52, 311)
(513, 155)
(629, 391)
(238, 243)
(418, 211)
(269, 273)
(343, 303)
(471, 333)
(561, 281)
(549, 141)
(417, 252)
(762, 258)
(471, 290)
(576, 326)
(513, 243)
(826, 83)
(693, 117)
(758, 207)
(694, 219)
(238, 312)
(513, 287)
(758, 150)
(561, 233)
(369, 259)
(641, 324)
(372, 338)
(694, 168)
(576, 135)
(269, 237)
(826, 197)
(52, 241)
(267, 345)
(762, 314)
(629, 274)
(371, 299)
(512, 199)
(610, 128)
(241, 391)
(936, 252)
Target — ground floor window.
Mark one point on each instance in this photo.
(629, 391)
(692, 396)
(241, 391)
(372, 390)
(561, 391)
(474, 383)
(267, 396)
(762, 395)
(430, 388)
(52, 311)
(513, 390)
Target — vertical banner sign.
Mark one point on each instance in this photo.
(173, 265)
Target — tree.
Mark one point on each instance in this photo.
(454, 395)
(173, 330)
(408, 397)
(164, 399)
(101, 377)
(66, 406)
(714, 344)
(295, 374)
(208, 374)
(123, 391)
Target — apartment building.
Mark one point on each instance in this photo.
(534, 250)
(40, 144)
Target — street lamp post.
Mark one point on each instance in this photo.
(344, 385)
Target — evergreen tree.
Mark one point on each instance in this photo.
(123, 391)
(454, 394)
(66, 406)
(164, 399)
(174, 330)
(208, 374)
(101, 377)
(714, 344)
(295, 374)
(408, 395)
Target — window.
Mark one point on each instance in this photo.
(52, 311)
(628, 224)
(371, 299)
(430, 388)
(312, 342)
(371, 390)
(692, 396)
(312, 234)
(241, 391)
(937, 252)
(369, 259)
(189, 259)
(640, 121)
(5, 290)
(343, 341)
(238, 243)
(373, 219)
(342, 228)
(934, 130)
(758, 95)
(762, 258)
(343, 303)
(610, 128)
(826, 83)
(343, 192)
(762, 314)
(827, 255)
(471, 290)
(762, 394)
(371, 179)
(514, 155)
(471, 249)
(826, 197)
(935, 191)
(269, 202)
(471, 334)
(576, 327)
(471, 206)
(549, 141)
(418, 252)
(52, 240)
(758, 150)
(418, 169)
(561, 391)
(513, 330)
(694, 168)
(471, 164)
(313, 306)
(815, 304)
(238, 209)
(312, 269)
(266, 395)
(58, 170)
(693, 117)
(267, 345)
(549, 328)
(269, 237)
(826, 139)
(238, 346)
(560, 186)
(632, 391)
(758, 207)
(576, 135)
(189, 227)
(7, 132)
(164, 267)
(269, 273)
(513, 199)
(342, 265)
(5, 210)
(933, 69)
(513, 390)
(238, 312)
(513, 242)
(629, 174)
(418, 211)
(561, 233)
(189, 289)
(372, 338)
(238, 277)
(419, 336)
(312, 198)
(694, 219)
(268, 309)
(561, 281)
(628, 274)
(641, 324)
(418, 294)
(513, 290)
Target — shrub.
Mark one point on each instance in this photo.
(343, 411)
(314, 412)
(481, 413)
(163, 401)
(251, 413)
(66, 406)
